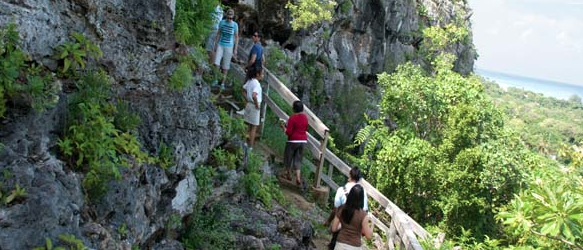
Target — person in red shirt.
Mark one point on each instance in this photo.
(297, 136)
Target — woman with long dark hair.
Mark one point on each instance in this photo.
(352, 221)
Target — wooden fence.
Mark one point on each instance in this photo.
(403, 231)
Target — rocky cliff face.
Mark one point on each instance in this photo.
(137, 41)
(365, 38)
(147, 207)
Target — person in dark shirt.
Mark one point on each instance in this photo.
(351, 221)
(256, 56)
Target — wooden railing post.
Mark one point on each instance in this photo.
(322, 158)
(263, 108)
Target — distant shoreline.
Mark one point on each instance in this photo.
(559, 90)
(526, 78)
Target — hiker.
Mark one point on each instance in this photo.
(256, 56)
(252, 93)
(227, 40)
(354, 177)
(217, 16)
(351, 222)
(296, 131)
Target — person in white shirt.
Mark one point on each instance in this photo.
(252, 92)
(354, 177)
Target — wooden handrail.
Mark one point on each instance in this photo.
(406, 226)
(408, 229)
(290, 98)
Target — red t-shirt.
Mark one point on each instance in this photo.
(297, 127)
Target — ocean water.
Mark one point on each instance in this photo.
(548, 88)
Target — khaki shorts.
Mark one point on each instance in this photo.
(344, 246)
(225, 53)
(252, 114)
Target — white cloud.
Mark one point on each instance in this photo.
(538, 40)
(524, 36)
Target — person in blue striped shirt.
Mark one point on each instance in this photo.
(226, 43)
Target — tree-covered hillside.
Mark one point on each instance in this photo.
(460, 161)
(544, 123)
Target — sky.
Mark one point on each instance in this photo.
(534, 38)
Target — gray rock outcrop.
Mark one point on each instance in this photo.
(137, 41)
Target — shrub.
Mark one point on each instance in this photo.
(92, 141)
(308, 12)
(74, 54)
(258, 187)
(124, 119)
(182, 77)
(232, 126)
(207, 228)
(20, 78)
(193, 20)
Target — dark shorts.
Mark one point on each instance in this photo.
(293, 155)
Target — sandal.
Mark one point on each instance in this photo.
(286, 177)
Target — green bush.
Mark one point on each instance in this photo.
(124, 119)
(207, 228)
(259, 187)
(308, 12)
(182, 77)
(224, 158)
(20, 78)
(548, 213)
(193, 20)
(165, 156)
(346, 6)
(91, 139)
(231, 126)
(443, 144)
(75, 54)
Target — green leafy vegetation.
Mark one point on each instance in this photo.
(91, 139)
(544, 123)
(124, 119)
(460, 162)
(74, 54)
(21, 79)
(182, 77)
(549, 212)
(309, 12)
(10, 196)
(310, 71)
(438, 39)
(232, 126)
(193, 20)
(440, 149)
(224, 158)
(208, 227)
(278, 61)
(259, 187)
(68, 242)
(165, 156)
(346, 6)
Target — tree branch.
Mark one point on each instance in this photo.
(557, 238)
